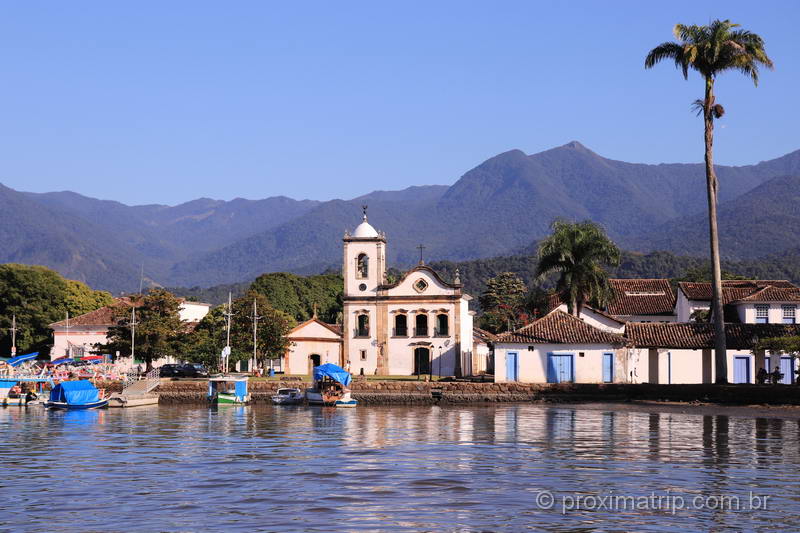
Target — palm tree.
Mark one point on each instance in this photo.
(711, 50)
(578, 251)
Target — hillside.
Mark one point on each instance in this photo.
(495, 209)
(499, 206)
(762, 222)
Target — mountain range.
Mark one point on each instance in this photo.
(498, 207)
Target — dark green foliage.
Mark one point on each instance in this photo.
(579, 254)
(39, 296)
(215, 295)
(159, 331)
(297, 295)
(502, 303)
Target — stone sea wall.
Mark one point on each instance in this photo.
(422, 393)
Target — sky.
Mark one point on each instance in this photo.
(165, 102)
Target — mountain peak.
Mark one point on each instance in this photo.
(575, 145)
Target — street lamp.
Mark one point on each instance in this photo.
(439, 373)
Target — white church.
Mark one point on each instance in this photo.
(417, 325)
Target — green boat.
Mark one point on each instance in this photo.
(228, 390)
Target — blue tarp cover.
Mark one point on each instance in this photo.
(334, 372)
(6, 384)
(241, 390)
(75, 392)
(16, 361)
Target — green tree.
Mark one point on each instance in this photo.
(298, 296)
(205, 343)
(159, 332)
(711, 50)
(38, 296)
(272, 327)
(578, 252)
(502, 302)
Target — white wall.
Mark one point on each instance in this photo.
(533, 364)
(686, 307)
(193, 311)
(747, 312)
(77, 337)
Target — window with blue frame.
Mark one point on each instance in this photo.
(789, 314)
(762, 314)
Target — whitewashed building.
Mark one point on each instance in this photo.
(77, 336)
(560, 348)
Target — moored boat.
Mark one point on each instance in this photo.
(81, 394)
(226, 390)
(288, 396)
(331, 387)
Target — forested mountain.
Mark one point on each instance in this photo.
(764, 221)
(496, 208)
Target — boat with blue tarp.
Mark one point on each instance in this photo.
(331, 387)
(80, 394)
(224, 390)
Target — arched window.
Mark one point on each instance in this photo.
(421, 325)
(442, 325)
(362, 266)
(362, 329)
(401, 325)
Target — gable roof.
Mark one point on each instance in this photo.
(699, 335)
(632, 297)
(772, 294)
(732, 289)
(333, 328)
(420, 268)
(482, 335)
(105, 316)
(641, 297)
(557, 327)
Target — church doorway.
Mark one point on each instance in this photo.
(313, 362)
(422, 361)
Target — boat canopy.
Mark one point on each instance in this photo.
(61, 361)
(336, 373)
(80, 392)
(18, 360)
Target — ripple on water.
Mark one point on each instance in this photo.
(381, 468)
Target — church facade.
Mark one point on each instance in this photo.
(417, 325)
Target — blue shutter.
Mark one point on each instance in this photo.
(608, 367)
(551, 369)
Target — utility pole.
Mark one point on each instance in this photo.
(133, 334)
(255, 319)
(67, 336)
(227, 351)
(13, 335)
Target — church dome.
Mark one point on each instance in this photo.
(365, 231)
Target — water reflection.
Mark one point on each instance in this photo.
(379, 468)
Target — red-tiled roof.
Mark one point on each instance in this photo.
(557, 327)
(641, 297)
(483, 335)
(731, 289)
(697, 335)
(105, 316)
(772, 294)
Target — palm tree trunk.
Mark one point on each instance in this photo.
(720, 351)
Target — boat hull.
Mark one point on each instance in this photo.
(315, 397)
(77, 407)
(223, 398)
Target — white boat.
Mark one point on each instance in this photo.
(288, 396)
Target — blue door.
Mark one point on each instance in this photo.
(787, 369)
(512, 366)
(741, 369)
(559, 368)
(608, 368)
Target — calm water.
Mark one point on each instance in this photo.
(392, 468)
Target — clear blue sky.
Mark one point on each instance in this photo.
(163, 102)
